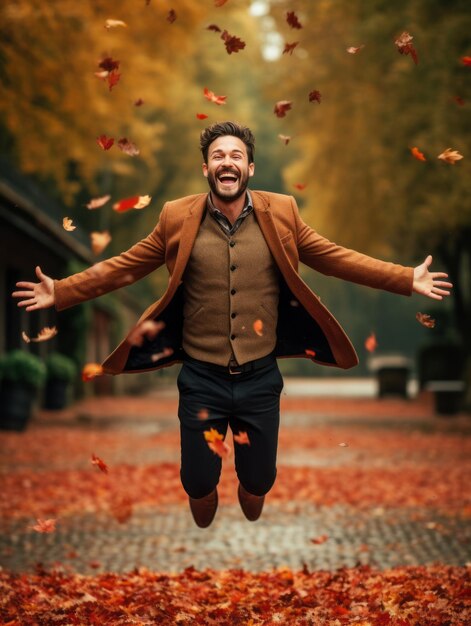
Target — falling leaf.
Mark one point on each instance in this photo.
(99, 241)
(450, 156)
(212, 435)
(370, 343)
(45, 525)
(96, 203)
(459, 100)
(404, 46)
(425, 320)
(300, 186)
(315, 96)
(219, 3)
(289, 47)
(121, 507)
(201, 116)
(242, 438)
(214, 27)
(353, 50)
(321, 539)
(128, 147)
(91, 370)
(149, 329)
(203, 414)
(209, 95)
(108, 64)
(171, 16)
(102, 466)
(285, 138)
(216, 443)
(44, 335)
(292, 20)
(135, 202)
(161, 355)
(466, 61)
(232, 43)
(114, 23)
(282, 107)
(417, 154)
(310, 353)
(258, 327)
(113, 79)
(105, 142)
(139, 102)
(67, 224)
(343, 445)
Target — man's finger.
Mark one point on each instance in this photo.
(39, 273)
(26, 285)
(27, 302)
(23, 294)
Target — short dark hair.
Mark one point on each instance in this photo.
(221, 129)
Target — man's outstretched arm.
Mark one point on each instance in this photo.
(428, 283)
(36, 295)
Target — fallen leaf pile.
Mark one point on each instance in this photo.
(403, 596)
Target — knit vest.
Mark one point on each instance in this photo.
(231, 294)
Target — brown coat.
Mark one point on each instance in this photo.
(304, 323)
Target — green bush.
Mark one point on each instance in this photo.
(19, 366)
(60, 367)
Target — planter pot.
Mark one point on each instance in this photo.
(16, 404)
(448, 394)
(55, 394)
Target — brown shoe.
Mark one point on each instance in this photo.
(251, 505)
(204, 509)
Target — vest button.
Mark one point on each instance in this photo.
(233, 315)
(233, 291)
(232, 243)
(233, 336)
(232, 268)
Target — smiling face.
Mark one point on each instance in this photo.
(228, 169)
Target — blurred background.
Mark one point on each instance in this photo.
(348, 161)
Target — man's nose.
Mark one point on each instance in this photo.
(227, 160)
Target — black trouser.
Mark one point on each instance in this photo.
(248, 402)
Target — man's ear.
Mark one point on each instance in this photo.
(251, 168)
(205, 170)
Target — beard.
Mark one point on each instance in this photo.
(228, 195)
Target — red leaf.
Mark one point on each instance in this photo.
(242, 438)
(370, 343)
(219, 3)
(210, 95)
(466, 61)
(126, 204)
(105, 142)
(232, 43)
(108, 64)
(128, 147)
(418, 154)
(139, 102)
(113, 79)
(289, 47)
(214, 27)
(201, 116)
(321, 539)
(292, 20)
(425, 320)
(310, 353)
(281, 108)
(45, 525)
(404, 46)
(203, 414)
(171, 16)
(315, 96)
(102, 466)
(459, 100)
(300, 186)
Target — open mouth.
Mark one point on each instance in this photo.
(228, 178)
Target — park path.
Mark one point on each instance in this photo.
(360, 481)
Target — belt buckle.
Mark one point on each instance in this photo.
(233, 373)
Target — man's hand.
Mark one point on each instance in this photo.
(427, 283)
(38, 295)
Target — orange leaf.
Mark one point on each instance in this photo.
(114, 23)
(139, 102)
(242, 438)
(99, 463)
(320, 539)
(425, 320)
(210, 95)
(213, 435)
(128, 147)
(282, 107)
(99, 241)
(149, 329)
(417, 154)
(171, 16)
(450, 156)
(370, 343)
(310, 353)
(300, 186)
(67, 224)
(91, 370)
(219, 3)
(353, 50)
(203, 414)
(160, 355)
(45, 525)
(121, 508)
(96, 203)
(404, 46)
(220, 448)
(258, 327)
(44, 335)
(113, 79)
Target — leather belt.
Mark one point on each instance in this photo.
(251, 366)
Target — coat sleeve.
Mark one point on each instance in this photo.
(119, 271)
(328, 258)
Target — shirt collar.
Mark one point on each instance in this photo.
(248, 203)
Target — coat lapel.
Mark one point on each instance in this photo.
(188, 234)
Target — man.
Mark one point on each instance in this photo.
(234, 303)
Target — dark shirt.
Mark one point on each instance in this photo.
(222, 220)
